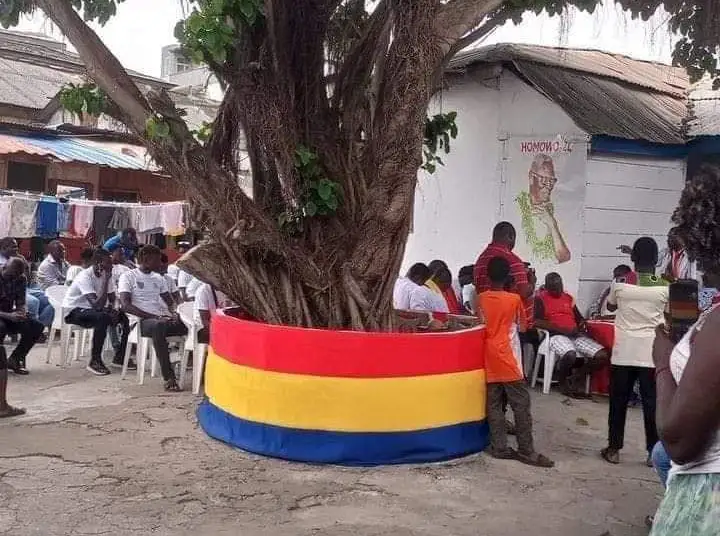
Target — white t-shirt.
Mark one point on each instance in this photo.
(192, 287)
(468, 297)
(183, 278)
(118, 270)
(205, 301)
(173, 271)
(145, 290)
(72, 273)
(424, 299)
(84, 284)
(172, 286)
(401, 293)
(640, 309)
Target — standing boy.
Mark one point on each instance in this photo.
(503, 311)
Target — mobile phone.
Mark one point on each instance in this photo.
(684, 310)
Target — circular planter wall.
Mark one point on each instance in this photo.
(343, 397)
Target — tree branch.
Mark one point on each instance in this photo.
(458, 18)
(102, 66)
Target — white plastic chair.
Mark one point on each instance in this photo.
(56, 296)
(144, 349)
(548, 357)
(198, 349)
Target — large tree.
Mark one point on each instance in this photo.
(330, 97)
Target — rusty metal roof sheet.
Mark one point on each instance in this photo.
(33, 70)
(704, 108)
(604, 93)
(72, 149)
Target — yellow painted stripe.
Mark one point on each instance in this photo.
(345, 404)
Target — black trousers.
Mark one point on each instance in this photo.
(622, 380)
(29, 331)
(159, 329)
(203, 336)
(99, 321)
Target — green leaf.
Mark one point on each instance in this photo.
(332, 203)
(325, 189)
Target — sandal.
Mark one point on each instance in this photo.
(172, 386)
(536, 460)
(507, 454)
(11, 411)
(610, 455)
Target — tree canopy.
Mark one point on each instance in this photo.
(330, 98)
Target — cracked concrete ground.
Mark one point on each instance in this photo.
(101, 456)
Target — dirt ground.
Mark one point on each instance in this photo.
(101, 456)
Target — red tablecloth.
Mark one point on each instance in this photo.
(604, 333)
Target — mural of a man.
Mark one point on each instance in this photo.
(536, 207)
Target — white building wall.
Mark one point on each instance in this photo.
(457, 207)
(626, 197)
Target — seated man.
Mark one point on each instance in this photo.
(86, 260)
(90, 303)
(172, 285)
(53, 269)
(207, 301)
(577, 354)
(416, 276)
(467, 288)
(144, 293)
(37, 303)
(15, 319)
(599, 308)
(173, 269)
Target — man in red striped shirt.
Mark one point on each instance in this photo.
(523, 281)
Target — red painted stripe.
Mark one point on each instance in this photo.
(345, 353)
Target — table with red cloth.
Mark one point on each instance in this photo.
(603, 332)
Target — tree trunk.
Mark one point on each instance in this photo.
(339, 271)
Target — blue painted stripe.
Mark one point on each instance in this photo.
(344, 448)
(613, 145)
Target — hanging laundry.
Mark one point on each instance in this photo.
(64, 217)
(172, 219)
(47, 218)
(102, 216)
(82, 220)
(22, 224)
(150, 218)
(5, 216)
(134, 213)
(120, 219)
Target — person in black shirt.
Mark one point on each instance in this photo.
(14, 319)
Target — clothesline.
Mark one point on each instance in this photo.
(81, 201)
(25, 215)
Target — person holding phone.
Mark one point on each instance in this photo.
(688, 380)
(639, 307)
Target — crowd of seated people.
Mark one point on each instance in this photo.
(110, 285)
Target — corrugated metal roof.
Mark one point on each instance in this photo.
(31, 86)
(604, 93)
(33, 70)
(704, 108)
(67, 149)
